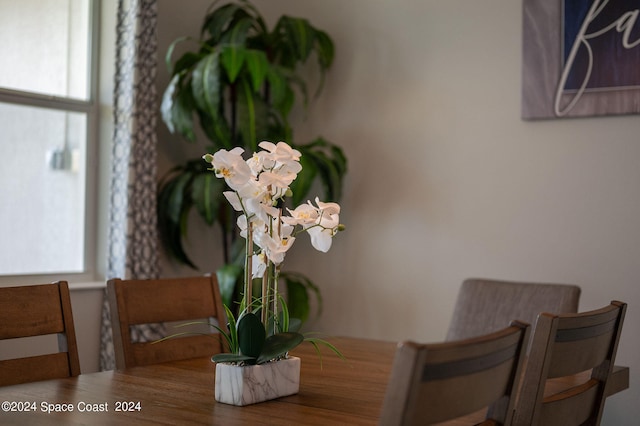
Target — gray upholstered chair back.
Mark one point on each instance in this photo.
(484, 306)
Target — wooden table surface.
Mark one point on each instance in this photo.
(179, 393)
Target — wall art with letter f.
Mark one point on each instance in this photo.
(580, 58)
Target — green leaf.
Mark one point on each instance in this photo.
(278, 345)
(232, 358)
(299, 33)
(232, 58)
(301, 186)
(234, 347)
(257, 65)
(251, 335)
(301, 279)
(234, 51)
(228, 276)
(298, 300)
(216, 21)
(206, 192)
(205, 84)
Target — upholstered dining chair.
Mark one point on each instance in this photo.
(562, 346)
(431, 383)
(484, 305)
(38, 310)
(167, 300)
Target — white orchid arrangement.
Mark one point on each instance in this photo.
(259, 186)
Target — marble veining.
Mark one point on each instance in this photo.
(256, 383)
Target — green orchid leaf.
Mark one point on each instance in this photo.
(228, 277)
(233, 358)
(278, 345)
(251, 335)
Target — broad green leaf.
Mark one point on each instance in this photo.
(170, 230)
(301, 186)
(298, 299)
(205, 84)
(278, 345)
(185, 63)
(166, 105)
(257, 65)
(308, 285)
(299, 33)
(232, 59)
(216, 21)
(206, 192)
(251, 335)
(228, 276)
(169, 54)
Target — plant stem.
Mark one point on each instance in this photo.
(248, 268)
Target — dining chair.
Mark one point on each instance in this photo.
(485, 305)
(38, 310)
(167, 300)
(564, 345)
(431, 383)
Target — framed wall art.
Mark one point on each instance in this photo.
(580, 58)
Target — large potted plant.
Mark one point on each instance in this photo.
(239, 87)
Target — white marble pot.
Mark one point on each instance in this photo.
(249, 384)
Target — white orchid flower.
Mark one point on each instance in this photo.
(233, 199)
(231, 166)
(321, 238)
(258, 265)
(282, 152)
(304, 214)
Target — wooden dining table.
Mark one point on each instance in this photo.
(333, 391)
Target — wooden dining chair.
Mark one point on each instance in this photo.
(431, 383)
(137, 302)
(484, 305)
(38, 310)
(564, 345)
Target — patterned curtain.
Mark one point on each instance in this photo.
(133, 245)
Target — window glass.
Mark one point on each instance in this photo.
(42, 188)
(45, 46)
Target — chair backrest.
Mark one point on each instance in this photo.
(484, 306)
(137, 302)
(564, 345)
(431, 383)
(38, 310)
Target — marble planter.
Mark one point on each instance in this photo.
(256, 383)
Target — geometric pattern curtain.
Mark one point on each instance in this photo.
(132, 235)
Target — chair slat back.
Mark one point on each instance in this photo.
(38, 310)
(564, 345)
(431, 383)
(136, 302)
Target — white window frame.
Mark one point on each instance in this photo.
(91, 108)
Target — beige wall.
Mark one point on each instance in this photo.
(446, 181)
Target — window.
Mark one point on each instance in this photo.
(48, 121)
